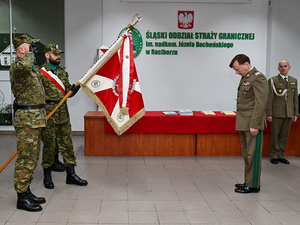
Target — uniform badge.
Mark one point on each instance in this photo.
(246, 83)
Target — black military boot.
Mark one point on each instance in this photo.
(72, 178)
(38, 200)
(48, 183)
(25, 202)
(57, 166)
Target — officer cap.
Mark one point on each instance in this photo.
(53, 48)
(23, 39)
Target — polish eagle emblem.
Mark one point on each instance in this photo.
(185, 19)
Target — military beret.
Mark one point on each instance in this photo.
(52, 48)
(23, 39)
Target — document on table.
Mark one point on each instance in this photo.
(185, 112)
(228, 112)
(170, 113)
(208, 112)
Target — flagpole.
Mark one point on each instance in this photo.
(48, 117)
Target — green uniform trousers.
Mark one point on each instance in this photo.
(28, 147)
(280, 129)
(58, 138)
(251, 150)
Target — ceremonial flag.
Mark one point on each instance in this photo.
(113, 84)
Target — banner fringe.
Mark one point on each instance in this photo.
(119, 130)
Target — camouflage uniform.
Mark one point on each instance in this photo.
(57, 136)
(28, 90)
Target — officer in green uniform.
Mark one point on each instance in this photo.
(29, 118)
(57, 135)
(282, 110)
(252, 100)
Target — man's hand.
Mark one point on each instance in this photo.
(75, 89)
(269, 118)
(295, 118)
(253, 131)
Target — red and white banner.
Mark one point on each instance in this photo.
(113, 84)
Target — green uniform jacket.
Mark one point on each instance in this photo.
(252, 100)
(28, 90)
(278, 106)
(53, 93)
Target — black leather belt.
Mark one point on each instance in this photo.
(52, 102)
(30, 106)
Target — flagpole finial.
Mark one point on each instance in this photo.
(135, 19)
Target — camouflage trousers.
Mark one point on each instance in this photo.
(57, 138)
(28, 147)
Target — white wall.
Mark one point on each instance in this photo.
(285, 33)
(83, 35)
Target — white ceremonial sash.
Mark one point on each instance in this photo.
(54, 79)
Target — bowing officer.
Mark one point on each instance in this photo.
(252, 100)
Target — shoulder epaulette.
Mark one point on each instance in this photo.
(257, 73)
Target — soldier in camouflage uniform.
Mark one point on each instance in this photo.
(30, 117)
(57, 135)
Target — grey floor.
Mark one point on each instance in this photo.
(155, 190)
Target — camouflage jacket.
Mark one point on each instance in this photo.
(53, 93)
(27, 90)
